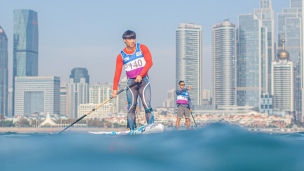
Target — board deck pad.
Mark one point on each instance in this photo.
(146, 129)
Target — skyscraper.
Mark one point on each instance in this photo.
(266, 14)
(25, 53)
(36, 94)
(189, 59)
(290, 25)
(3, 74)
(77, 93)
(78, 73)
(224, 62)
(77, 90)
(282, 79)
(251, 60)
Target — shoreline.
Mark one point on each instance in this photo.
(54, 130)
(23, 130)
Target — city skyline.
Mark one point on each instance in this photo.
(65, 56)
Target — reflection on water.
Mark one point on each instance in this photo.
(214, 147)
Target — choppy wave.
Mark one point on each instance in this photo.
(216, 147)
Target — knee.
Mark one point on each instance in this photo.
(148, 110)
(132, 107)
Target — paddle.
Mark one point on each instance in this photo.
(193, 120)
(98, 106)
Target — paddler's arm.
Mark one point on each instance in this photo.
(178, 92)
(119, 65)
(148, 58)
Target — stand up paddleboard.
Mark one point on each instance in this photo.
(146, 129)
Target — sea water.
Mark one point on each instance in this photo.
(215, 147)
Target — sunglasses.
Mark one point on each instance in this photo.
(182, 84)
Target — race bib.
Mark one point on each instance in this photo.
(135, 64)
(180, 97)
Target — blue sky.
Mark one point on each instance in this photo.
(78, 33)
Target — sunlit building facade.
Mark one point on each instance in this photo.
(98, 93)
(224, 63)
(251, 60)
(77, 93)
(290, 25)
(100, 113)
(37, 94)
(283, 82)
(266, 14)
(63, 98)
(189, 59)
(3, 73)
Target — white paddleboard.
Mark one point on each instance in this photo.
(146, 129)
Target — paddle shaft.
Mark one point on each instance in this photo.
(193, 120)
(98, 106)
